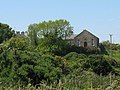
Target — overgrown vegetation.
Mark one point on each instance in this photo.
(44, 60)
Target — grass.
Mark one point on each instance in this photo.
(116, 55)
(84, 82)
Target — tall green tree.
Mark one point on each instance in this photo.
(6, 32)
(56, 29)
(50, 36)
(32, 33)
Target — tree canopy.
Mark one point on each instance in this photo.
(6, 32)
(56, 29)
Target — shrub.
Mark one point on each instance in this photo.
(99, 64)
(91, 50)
(102, 49)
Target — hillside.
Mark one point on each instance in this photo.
(31, 62)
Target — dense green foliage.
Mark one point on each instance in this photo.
(52, 29)
(34, 60)
(5, 32)
(19, 64)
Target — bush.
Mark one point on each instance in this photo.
(99, 64)
(102, 49)
(91, 50)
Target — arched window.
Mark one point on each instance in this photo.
(78, 42)
(92, 42)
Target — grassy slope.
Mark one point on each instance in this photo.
(116, 55)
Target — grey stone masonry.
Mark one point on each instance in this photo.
(84, 39)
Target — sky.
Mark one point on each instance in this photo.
(100, 17)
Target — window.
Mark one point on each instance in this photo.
(78, 42)
(92, 42)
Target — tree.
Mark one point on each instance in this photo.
(50, 36)
(5, 32)
(32, 29)
(58, 29)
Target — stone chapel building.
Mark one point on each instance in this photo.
(84, 39)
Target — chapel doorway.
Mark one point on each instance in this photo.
(85, 44)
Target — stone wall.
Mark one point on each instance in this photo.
(86, 39)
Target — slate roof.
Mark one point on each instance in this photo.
(71, 36)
